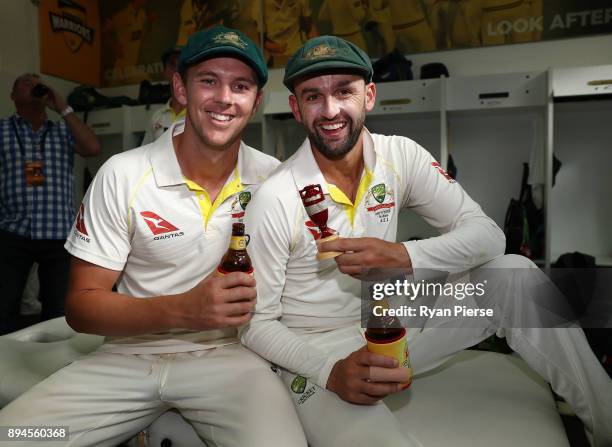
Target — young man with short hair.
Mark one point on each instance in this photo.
(308, 314)
(157, 220)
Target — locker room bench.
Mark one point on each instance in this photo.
(475, 399)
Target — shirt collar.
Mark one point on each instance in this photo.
(21, 122)
(175, 115)
(248, 166)
(167, 170)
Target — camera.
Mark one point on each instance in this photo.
(40, 90)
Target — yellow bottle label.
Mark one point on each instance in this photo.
(238, 243)
(397, 350)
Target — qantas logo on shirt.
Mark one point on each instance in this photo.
(80, 221)
(156, 223)
(80, 229)
(160, 226)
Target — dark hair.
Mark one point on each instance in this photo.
(183, 71)
(168, 54)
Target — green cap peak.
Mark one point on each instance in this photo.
(221, 41)
(326, 54)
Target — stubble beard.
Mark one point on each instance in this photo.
(318, 141)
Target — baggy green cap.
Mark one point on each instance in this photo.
(324, 54)
(221, 41)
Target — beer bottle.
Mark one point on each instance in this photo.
(384, 329)
(386, 336)
(236, 258)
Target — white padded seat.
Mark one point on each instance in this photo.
(476, 399)
(29, 355)
(481, 399)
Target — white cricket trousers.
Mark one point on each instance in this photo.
(561, 355)
(230, 396)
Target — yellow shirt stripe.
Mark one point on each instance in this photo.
(338, 196)
(175, 115)
(207, 208)
(141, 181)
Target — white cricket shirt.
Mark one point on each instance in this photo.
(297, 294)
(142, 217)
(161, 120)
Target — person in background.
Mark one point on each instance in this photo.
(125, 31)
(37, 196)
(378, 26)
(345, 17)
(412, 32)
(286, 25)
(156, 221)
(188, 24)
(199, 15)
(173, 110)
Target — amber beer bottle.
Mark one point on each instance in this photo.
(236, 258)
(386, 336)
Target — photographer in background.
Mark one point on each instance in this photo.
(36, 195)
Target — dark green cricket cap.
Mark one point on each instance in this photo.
(326, 54)
(221, 41)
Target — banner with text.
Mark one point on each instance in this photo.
(136, 33)
(70, 40)
(124, 44)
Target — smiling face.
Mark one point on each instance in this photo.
(332, 109)
(220, 95)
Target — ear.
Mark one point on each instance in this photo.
(179, 88)
(295, 108)
(370, 96)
